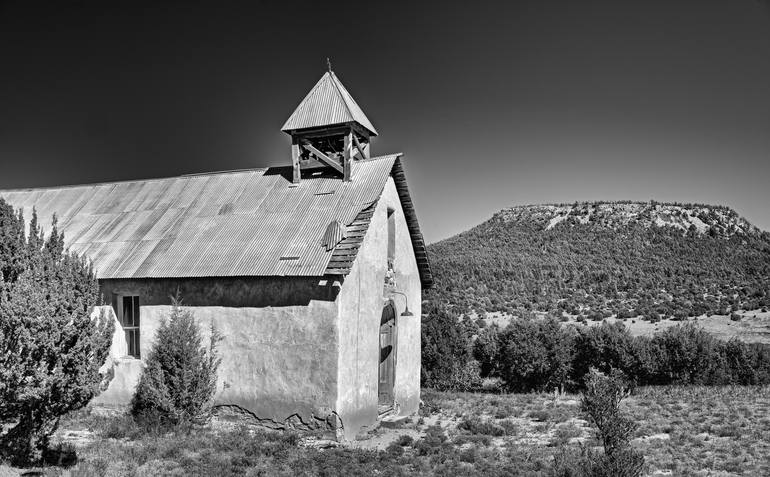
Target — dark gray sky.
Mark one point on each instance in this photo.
(494, 104)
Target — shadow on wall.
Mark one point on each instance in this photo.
(225, 291)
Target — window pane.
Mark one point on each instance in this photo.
(128, 311)
(136, 344)
(132, 342)
(136, 311)
(130, 323)
(129, 343)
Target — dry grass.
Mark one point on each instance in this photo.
(722, 429)
(683, 431)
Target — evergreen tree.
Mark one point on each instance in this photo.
(486, 350)
(535, 354)
(179, 381)
(601, 405)
(446, 350)
(12, 245)
(50, 347)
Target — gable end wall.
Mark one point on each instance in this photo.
(362, 299)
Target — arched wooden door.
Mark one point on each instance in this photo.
(387, 373)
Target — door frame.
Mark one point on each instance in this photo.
(385, 397)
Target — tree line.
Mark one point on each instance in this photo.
(544, 354)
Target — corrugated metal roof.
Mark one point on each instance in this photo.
(240, 223)
(328, 103)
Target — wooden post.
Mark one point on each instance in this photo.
(347, 157)
(361, 150)
(295, 161)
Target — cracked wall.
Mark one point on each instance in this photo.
(278, 362)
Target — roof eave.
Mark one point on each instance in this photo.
(293, 131)
(418, 243)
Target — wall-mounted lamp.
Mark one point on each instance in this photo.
(406, 304)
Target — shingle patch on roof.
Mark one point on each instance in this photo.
(341, 261)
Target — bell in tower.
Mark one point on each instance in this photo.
(328, 130)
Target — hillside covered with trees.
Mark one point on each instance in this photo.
(598, 259)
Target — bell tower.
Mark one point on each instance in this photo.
(328, 130)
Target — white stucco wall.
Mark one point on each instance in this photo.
(362, 300)
(277, 362)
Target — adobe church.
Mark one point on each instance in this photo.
(312, 272)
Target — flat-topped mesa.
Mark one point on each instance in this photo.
(328, 130)
(714, 220)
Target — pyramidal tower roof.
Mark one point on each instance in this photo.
(327, 104)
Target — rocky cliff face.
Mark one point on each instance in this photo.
(704, 219)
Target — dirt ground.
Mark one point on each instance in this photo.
(753, 327)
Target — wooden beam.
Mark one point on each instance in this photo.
(347, 157)
(323, 157)
(295, 162)
(323, 131)
(338, 271)
(360, 129)
(360, 147)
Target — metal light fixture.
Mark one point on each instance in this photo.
(406, 304)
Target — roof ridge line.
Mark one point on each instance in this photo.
(225, 171)
(125, 181)
(336, 80)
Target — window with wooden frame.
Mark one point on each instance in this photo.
(391, 238)
(128, 315)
